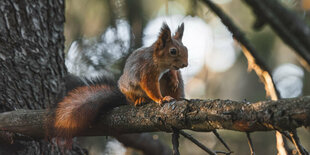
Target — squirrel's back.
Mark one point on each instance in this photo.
(136, 63)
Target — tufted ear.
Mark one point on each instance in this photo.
(164, 36)
(179, 33)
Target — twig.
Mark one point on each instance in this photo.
(145, 143)
(287, 135)
(287, 25)
(301, 150)
(175, 142)
(254, 62)
(221, 140)
(222, 152)
(250, 143)
(197, 143)
(281, 144)
(248, 49)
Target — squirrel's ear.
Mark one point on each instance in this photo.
(179, 33)
(164, 36)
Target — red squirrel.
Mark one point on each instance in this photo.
(150, 74)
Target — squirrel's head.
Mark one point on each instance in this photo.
(169, 52)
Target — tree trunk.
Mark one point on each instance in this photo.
(31, 64)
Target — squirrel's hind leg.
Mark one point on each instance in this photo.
(140, 101)
(136, 100)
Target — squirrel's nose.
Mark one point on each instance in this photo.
(184, 65)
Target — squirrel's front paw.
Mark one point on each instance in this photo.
(174, 83)
(165, 100)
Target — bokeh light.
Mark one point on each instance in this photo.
(288, 79)
(210, 41)
(222, 55)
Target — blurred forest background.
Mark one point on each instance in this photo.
(100, 34)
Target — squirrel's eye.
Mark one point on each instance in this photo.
(173, 51)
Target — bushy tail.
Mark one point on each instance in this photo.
(81, 106)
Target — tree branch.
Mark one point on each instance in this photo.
(290, 28)
(217, 135)
(300, 149)
(175, 142)
(145, 143)
(197, 115)
(250, 143)
(254, 63)
(209, 151)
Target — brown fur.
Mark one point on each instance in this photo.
(80, 107)
(152, 73)
(172, 85)
(67, 120)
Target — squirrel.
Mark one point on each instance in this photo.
(150, 74)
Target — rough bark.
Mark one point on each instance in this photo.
(31, 53)
(197, 115)
(31, 63)
(31, 66)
